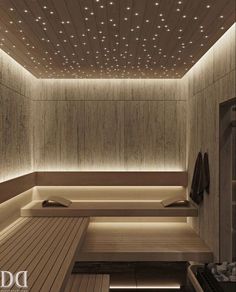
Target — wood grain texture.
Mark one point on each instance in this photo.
(175, 135)
(143, 242)
(13, 187)
(224, 54)
(206, 91)
(111, 178)
(10, 210)
(58, 135)
(110, 89)
(15, 77)
(109, 135)
(45, 247)
(226, 87)
(109, 193)
(144, 135)
(113, 194)
(104, 135)
(88, 283)
(175, 89)
(15, 132)
(121, 124)
(101, 208)
(89, 40)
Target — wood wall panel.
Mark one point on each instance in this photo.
(110, 89)
(59, 90)
(175, 89)
(16, 186)
(152, 89)
(58, 135)
(111, 109)
(109, 135)
(175, 135)
(226, 86)
(15, 133)
(104, 135)
(224, 54)
(144, 135)
(211, 81)
(15, 77)
(113, 178)
(16, 87)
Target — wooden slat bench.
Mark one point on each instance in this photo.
(141, 241)
(45, 247)
(88, 283)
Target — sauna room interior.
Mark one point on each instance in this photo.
(117, 145)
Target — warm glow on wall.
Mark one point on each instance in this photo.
(15, 66)
(226, 41)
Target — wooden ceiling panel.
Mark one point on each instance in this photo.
(111, 38)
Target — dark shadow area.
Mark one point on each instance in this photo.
(152, 276)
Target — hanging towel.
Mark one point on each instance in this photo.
(206, 173)
(197, 187)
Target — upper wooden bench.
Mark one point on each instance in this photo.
(45, 247)
(110, 208)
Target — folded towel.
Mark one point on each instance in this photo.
(206, 173)
(197, 186)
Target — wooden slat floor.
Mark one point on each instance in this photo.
(45, 247)
(110, 208)
(141, 241)
(88, 283)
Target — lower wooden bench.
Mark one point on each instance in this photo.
(88, 283)
(143, 241)
(44, 247)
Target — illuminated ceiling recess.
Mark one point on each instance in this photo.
(111, 39)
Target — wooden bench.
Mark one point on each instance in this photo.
(141, 241)
(45, 247)
(107, 208)
(88, 283)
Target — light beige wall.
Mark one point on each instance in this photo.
(110, 125)
(10, 210)
(15, 126)
(211, 81)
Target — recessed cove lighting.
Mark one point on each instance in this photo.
(151, 287)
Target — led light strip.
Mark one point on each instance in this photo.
(146, 287)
